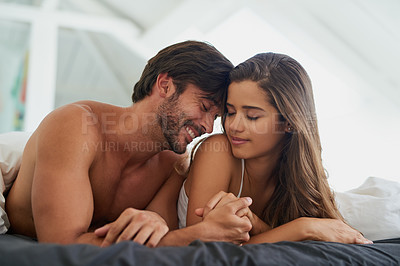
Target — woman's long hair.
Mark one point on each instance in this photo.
(302, 188)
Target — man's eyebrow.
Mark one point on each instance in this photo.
(248, 107)
(213, 101)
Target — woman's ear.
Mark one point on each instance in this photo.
(164, 85)
(288, 127)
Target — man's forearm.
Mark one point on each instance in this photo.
(184, 236)
(89, 238)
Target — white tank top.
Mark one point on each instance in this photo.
(183, 201)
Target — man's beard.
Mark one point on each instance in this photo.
(171, 120)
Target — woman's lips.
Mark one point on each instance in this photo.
(238, 141)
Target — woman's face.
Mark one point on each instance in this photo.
(252, 123)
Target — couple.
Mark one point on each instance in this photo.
(265, 182)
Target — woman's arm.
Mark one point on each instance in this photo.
(307, 228)
(304, 228)
(210, 173)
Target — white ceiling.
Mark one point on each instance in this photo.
(356, 38)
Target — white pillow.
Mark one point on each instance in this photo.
(11, 148)
(373, 208)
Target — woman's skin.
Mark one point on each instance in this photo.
(254, 133)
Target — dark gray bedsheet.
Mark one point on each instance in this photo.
(17, 251)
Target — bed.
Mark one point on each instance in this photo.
(373, 208)
(15, 250)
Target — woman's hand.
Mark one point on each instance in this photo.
(332, 230)
(259, 226)
(220, 215)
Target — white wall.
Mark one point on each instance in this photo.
(359, 126)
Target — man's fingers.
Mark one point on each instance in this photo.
(144, 234)
(102, 231)
(228, 197)
(111, 236)
(243, 212)
(115, 230)
(129, 232)
(155, 238)
(240, 203)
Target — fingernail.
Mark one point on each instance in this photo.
(249, 199)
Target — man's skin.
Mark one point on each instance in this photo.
(91, 164)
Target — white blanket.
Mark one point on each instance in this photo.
(373, 208)
(11, 148)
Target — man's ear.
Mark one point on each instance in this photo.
(164, 85)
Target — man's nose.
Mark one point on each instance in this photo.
(208, 123)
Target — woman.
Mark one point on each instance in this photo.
(270, 152)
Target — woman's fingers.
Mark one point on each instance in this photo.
(199, 212)
(213, 202)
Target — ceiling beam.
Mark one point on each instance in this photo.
(199, 16)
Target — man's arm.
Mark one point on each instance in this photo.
(152, 224)
(62, 200)
(164, 202)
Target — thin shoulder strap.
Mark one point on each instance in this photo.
(241, 182)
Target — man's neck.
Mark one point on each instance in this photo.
(136, 131)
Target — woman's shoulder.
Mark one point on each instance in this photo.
(215, 147)
(217, 143)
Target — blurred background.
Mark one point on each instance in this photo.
(53, 52)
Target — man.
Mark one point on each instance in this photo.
(91, 165)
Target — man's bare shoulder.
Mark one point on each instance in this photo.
(81, 115)
(69, 125)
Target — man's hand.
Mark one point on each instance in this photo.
(143, 227)
(332, 230)
(220, 213)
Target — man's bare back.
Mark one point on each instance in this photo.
(104, 178)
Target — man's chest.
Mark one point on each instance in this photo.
(116, 189)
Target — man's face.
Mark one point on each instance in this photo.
(185, 117)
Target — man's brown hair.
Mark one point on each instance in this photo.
(189, 62)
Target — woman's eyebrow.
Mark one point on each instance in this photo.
(248, 107)
(252, 107)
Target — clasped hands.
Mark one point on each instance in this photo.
(220, 215)
(225, 218)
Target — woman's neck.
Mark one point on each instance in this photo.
(261, 170)
(260, 182)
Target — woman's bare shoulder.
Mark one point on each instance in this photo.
(215, 148)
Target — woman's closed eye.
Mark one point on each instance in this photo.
(252, 117)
